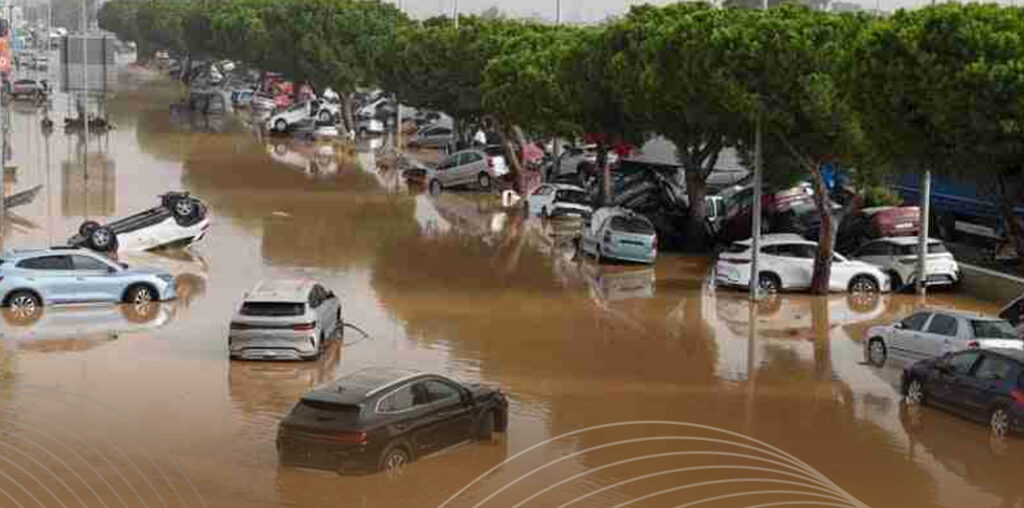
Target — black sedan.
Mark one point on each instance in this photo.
(379, 419)
(982, 384)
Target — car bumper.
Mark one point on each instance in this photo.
(271, 346)
(631, 255)
(345, 459)
(731, 277)
(569, 213)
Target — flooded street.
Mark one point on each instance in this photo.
(148, 410)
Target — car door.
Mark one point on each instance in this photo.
(450, 410)
(96, 281)
(842, 271)
(52, 277)
(904, 333)
(446, 171)
(948, 372)
(975, 393)
(940, 336)
(795, 265)
(470, 165)
(405, 407)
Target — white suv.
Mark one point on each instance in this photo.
(284, 320)
(787, 262)
(898, 257)
(322, 111)
(559, 200)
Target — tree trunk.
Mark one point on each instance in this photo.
(606, 174)
(1009, 199)
(512, 158)
(347, 102)
(696, 192)
(823, 261)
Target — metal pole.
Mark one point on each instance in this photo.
(85, 83)
(558, 12)
(755, 228)
(455, 13)
(922, 236)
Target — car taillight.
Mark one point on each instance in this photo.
(973, 343)
(348, 437)
(304, 327)
(607, 237)
(1018, 396)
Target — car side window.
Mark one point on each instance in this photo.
(943, 325)
(963, 362)
(915, 322)
(46, 263)
(399, 400)
(439, 390)
(993, 368)
(89, 264)
(469, 158)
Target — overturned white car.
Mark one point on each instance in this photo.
(180, 220)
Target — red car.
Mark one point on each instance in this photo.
(877, 222)
(787, 211)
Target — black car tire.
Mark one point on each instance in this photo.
(484, 181)
(87, 228)
(25, 308)
(186, 211)
(863, 284)
(326, 117)
(281, 126)
(877, 352)
(485, 427)
(393, 458)
(140, 294)
(103, 239)
(769, 283)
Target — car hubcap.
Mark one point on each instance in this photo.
(395, 461)
(23, 305)
(914, 392)
(183, 207)
(101, 237)
(877, 352)
(143, 296)
(1000, 422)
(767, 285)
(863, 286)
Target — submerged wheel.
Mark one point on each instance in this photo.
(769, 283)
(140, 294)
(325, 116)
(862, 284)
(281, 126)
(915, 393)
(999, 422)
(484, 181)
(24, 307)
(877, 352)
(394, 459)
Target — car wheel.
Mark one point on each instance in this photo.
(999, 422)
(915, 393)
(484, 181)
(25, 307)
(140, 294)
(87, 228)
(281, 125)
(325, 117)
(485, 427)
(435, 187)
(185, 208)
(393, 459)
(103, 239)
(862, 285)
(769, 283)
(877, 352)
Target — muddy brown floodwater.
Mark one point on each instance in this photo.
(122, 407)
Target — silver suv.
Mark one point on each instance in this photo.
(30, 279)
(284, 320)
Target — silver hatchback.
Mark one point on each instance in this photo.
(480, 167)
(284, 320)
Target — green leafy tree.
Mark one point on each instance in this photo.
(941, 89)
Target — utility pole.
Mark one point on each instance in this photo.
(455, 13)
(922, 235)
(755, 227)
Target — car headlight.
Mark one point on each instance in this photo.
(166, 277)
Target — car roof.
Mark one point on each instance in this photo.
(355, 387)
(280, 290)
(776, 238)
(907, 240)
(15, 254)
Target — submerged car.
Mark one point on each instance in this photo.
(559, 200)
(322, 111)
(898, 257)
(936, 332)
(983, 385)
(381, 418)
(284, 320)
(478, 166)
(180, 220)
(620, 234)
(32, 278)
(786, 262)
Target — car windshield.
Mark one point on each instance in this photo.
(993, 329)
(911, 250)
(326, 410)
(572, 196)
(272, 309)
(632, 224)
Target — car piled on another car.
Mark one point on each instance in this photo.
(180, 220)
(380, 419)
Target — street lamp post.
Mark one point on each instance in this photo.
(755, 227)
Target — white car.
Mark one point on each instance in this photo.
(284, 320)
(323, 111)
(935, 332)
(181, 220)
(572, 156)
(787, 263)
(559, 200)
(897, 256)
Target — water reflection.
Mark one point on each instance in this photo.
(268, 389)
(75, 328)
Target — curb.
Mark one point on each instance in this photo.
(990, 285)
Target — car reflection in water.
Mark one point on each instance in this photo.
(612, 283)
(265, 387)
(80, 327)
(313, 159)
